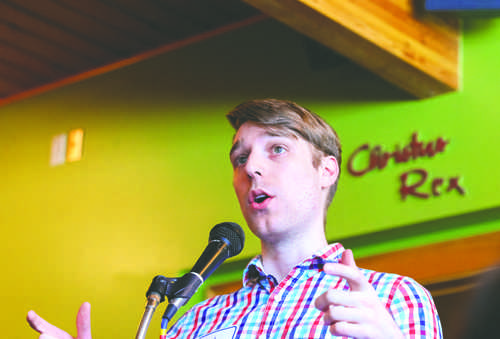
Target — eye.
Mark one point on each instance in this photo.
(240, 160)
(278, 149)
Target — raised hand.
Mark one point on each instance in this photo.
(49, 331)
(356, 313)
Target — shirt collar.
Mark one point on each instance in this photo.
(254, 271)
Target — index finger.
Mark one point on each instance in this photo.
(335, 298)
(46, 336)
(42, 326)
(355, 279)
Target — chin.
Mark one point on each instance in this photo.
(268, 232)
(259, 227)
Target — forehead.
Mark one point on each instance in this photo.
(249, 132)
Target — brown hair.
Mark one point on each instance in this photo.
(289, 117)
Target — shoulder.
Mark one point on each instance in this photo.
(383, 279)
(409, 303)
(391, 286)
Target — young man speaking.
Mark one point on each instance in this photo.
(286, 163)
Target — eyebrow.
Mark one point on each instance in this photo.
(235, 146)
(268, 132)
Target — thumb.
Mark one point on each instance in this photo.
(348, 258)
(83, 321)
(46, 336)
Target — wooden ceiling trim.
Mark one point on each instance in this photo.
(393, 19)
(128, 61)
(398, 46)
(421, 44)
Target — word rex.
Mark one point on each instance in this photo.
(411, 181)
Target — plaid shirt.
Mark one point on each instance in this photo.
(264, 308)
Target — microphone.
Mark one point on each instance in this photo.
(225, 240)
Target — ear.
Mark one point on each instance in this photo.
(329, 171)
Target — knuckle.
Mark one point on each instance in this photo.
(321, 302)
(338, 328)
(334, 312)
(327, 319)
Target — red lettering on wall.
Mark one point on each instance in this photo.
(406, 190)
(435, 184)
(453, 184)
(379, 158)
(350, 167)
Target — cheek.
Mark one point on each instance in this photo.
(307, 186)
(239, 187)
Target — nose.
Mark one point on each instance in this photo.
(254, 165)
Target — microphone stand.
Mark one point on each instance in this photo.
(151, 305)
(155, 295)
(177, 290)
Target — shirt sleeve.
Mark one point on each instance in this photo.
(414, 311)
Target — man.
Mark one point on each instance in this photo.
(286, 163)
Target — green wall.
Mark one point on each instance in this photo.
(155, 175)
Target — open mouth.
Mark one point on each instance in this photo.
(260, 198)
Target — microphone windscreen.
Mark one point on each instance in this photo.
(230, 233)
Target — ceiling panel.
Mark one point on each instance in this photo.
(45, 41)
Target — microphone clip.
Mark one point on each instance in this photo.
(181, 288)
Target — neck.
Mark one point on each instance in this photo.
(279, 258)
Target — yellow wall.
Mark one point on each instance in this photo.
(155, 175)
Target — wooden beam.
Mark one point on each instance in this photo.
(444, 261)
(418, 53)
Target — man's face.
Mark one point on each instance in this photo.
(280, 192)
